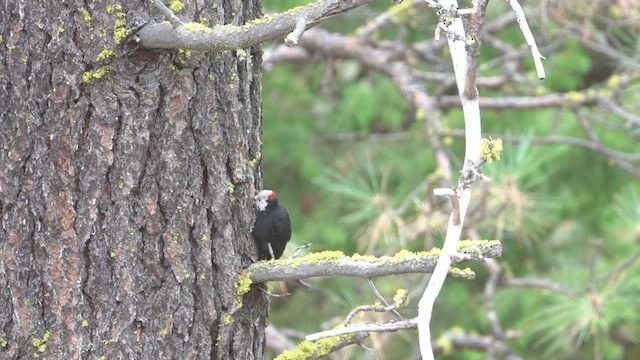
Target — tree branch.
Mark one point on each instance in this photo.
(195, 36)
(319, 349)
(528, 36)
(168, 14)
(336, 264)
(366, 328)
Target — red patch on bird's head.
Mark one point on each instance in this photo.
(272, 196)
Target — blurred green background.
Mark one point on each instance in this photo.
(346, 152)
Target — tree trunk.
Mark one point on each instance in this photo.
(126, 185)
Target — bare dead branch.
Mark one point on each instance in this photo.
(336, 264)
(540, 284)
(366, 328)
(490, 287)
(528, 36)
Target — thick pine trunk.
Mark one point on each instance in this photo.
(125, 198)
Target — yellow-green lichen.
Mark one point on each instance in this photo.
(164, 332)
(227, 319)
(241, 54)
(86, 16)
(401, 298)
(264, 19)
(105, 54)
(406, 255)
(120, 31)
(84, 323)
(60, 30)
(368, 258)
(183, 55)
(98, 74)
(290, 40)
(230, 187)
(86, 76)
(196, 27)
(479, 243)
(465, 273)
(490, 149)
(176, 6)
(402, 12)
(4, 342)
(244, 284)
(40, 344)
(313, 349)
(614, 81)
(445, 342)
(575, 97)
(314, 258)
(110, 9)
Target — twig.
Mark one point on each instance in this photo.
(363, 308)
(528, 36)
(293, 38)
(305, 245)
(168, 14)
(455, 204)
(540, 284)
(381, 298)
(634, 259)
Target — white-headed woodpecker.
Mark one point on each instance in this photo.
(272, 229)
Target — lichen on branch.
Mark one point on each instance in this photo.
(174, 35)
(335, 263)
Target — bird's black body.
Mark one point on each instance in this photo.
(272, 226)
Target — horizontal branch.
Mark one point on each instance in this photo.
(334, 263)
(365, 328)
(195, 36)
(319, 349)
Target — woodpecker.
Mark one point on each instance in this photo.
(272, 229)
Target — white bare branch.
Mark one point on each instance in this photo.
(528, 36)
(366, 328)
(464, 55)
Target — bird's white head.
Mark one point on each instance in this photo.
(263, 198)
